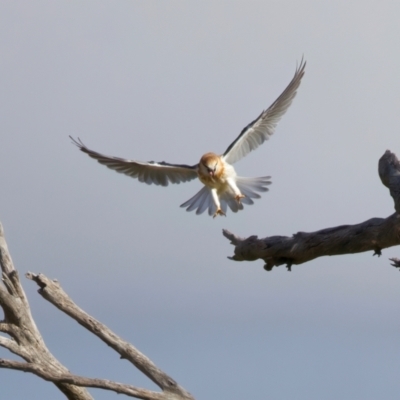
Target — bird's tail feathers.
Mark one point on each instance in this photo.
(203, 200)
(247, 186)
(250, 186)
(200, 202)
(228, 199)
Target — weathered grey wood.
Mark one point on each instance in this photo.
(5, 259)
(53, 292)
(82, 381)
(374, 234)
(389, 172)
(25, 341)
(395, 262)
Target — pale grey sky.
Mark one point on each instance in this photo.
(170, 81)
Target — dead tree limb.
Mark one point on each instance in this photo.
(26, 341)
(81, 381)
(52, 292)
(374, 234)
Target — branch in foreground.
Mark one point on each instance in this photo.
(374, 234)
(27, 342)
(82, 381)
(53, 292)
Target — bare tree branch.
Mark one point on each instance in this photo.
(374, 234)
(120, 388)
(5, 258)
(389, 172)
(18, 322)
(6, 328)
(396, 262)
(10, 345)
(13, 330)
(53, 292)
(27, 342)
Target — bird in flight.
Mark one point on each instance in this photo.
(222, 187)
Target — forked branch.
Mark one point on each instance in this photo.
(53, 292)
(26, 341)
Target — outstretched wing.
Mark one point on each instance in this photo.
(159, 173)
(259, 130)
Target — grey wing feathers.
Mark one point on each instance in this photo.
(158, 173)
(259, 130)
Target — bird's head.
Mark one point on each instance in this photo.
(210, 165)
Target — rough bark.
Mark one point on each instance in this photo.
(25, 340)
(374, 234)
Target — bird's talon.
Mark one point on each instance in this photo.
(219, 212)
